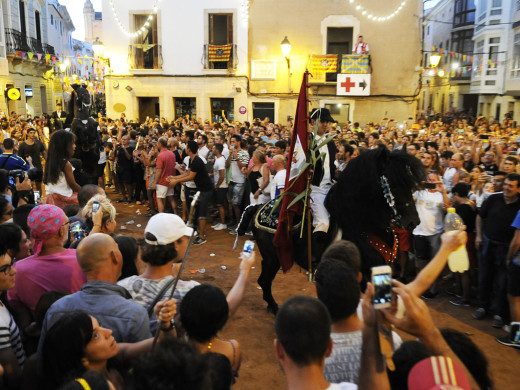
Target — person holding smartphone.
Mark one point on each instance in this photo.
(430, 203)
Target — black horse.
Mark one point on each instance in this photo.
(372, 197)
(88, 139)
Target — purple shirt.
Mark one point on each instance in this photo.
(38, 274)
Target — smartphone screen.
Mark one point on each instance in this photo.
(382, 281)
(248, 247)
(76, 230)
(95, 206)
(37, 197)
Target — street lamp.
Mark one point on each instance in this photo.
(98, 48)
(286, 51)
(435, 58)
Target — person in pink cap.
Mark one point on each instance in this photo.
(52, 267)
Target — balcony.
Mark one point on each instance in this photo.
(220, 57)
(16, 41)
(142, 57)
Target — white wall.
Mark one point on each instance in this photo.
(181, 32)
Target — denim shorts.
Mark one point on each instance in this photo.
(236, 193)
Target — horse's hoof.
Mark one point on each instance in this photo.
(272, 309)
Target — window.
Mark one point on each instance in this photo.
(517, 5)
(52, 19)
(185, 106)
(340, 111)
(496, 4)
(482, 9)
(479, 51)
(37, 25)
(145, 52)
(2, 37)
(262, 110)
(339, 40)
(222, 106)
(515, 61)
(493, 56)
(23, 26)
(428, 30)
(220, 33)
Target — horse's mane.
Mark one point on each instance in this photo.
(356, 202)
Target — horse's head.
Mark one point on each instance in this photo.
(374, 192)
(404, 174)
(82, 101)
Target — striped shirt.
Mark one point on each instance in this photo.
(10, 335)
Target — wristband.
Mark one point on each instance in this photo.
(26, 195)
(169, 328)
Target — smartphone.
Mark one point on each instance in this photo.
(95, 206)
(248, 247)
(430, 186)
(484, 137)
(76, 230)
(37, 197)
(382, 281)
(514, 333)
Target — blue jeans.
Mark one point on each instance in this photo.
(492, 277)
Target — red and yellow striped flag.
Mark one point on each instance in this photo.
(219, 52)
(324, 63)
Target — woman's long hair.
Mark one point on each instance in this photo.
(57, 155)
(64, 347)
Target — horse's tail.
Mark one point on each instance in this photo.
(245, 220)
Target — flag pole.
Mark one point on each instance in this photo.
(308, 216)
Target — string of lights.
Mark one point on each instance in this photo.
(378, 18)
(140, 30)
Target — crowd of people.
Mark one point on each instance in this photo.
(82, 303)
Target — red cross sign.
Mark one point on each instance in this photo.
(347, 84)
(353, 84)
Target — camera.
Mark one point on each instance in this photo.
(17, 174)
(34, 174)
(430, 186)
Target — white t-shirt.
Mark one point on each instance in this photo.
(342, 386)
(447, 178)
(203, 152)
(225, 152)
(278, 183)
(430, 207)
(220, 163)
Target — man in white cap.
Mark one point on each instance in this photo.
(166, 241)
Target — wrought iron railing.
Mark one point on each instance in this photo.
(16, 41)
(143, 57)
(232, 63)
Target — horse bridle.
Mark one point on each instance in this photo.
(390, 200)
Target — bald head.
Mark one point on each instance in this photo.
(99, 254)
(278, 162)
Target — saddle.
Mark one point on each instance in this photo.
(266, 218)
